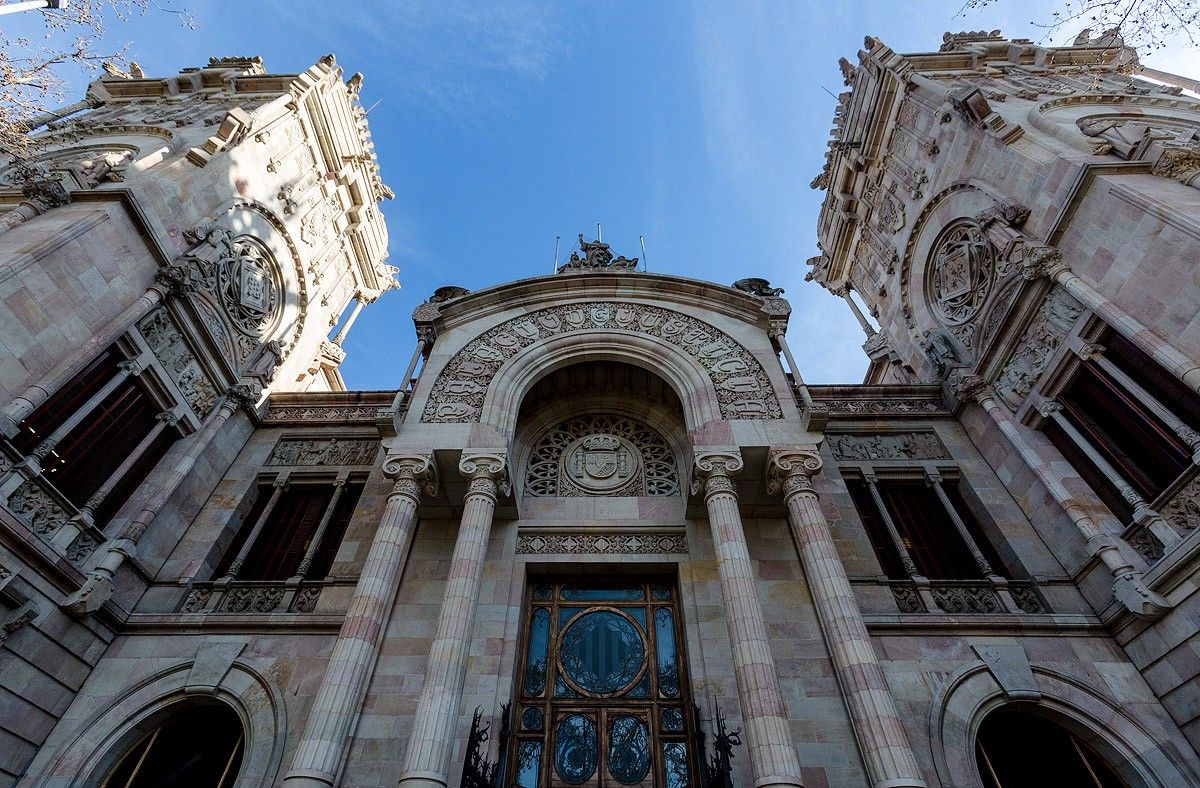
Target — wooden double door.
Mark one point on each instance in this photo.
(603, 697)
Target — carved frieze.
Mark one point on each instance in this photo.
(887, 446)
(881, 407)
(1183, 510)
(1045, 334)
(172, 351)
(309, 414)
(743, 389)
(321, 451)
(601, 456)
(36, 508)
(602, 544)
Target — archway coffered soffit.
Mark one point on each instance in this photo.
(738, 382)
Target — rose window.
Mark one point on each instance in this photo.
(960, 274)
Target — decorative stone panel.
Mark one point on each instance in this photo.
(37, 508)
(1045, 334)
(743, 389)
(602, 544)
(1183, 510)
(601, 456)
(894, 446)
(322, 451)
(172, 351)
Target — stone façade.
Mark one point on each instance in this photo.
(598, 423)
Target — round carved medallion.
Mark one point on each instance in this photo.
(960, 274)
(601, 455)
(249, 287)
(601, 464)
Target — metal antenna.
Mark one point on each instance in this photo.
(599, 235)
(642, 241)
(554, 270)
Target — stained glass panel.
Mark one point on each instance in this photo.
(675, 764)
(612, 593)
(575, 749)
(668, 670)
(672, 720)
(628, 749)
(535, 660)
(529, 757)
(601, 652)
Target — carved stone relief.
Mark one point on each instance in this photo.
(888, 446)
(1183, 510)
(601, 456)
(1045, 334)
(602, 544)
(743, 389)
(37, 508)
(292, 451)
(960, 274)
(169, 347)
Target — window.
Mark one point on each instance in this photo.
(285, 531)
(1116, 404)
(172, 754)
(85, 447)
(603, 696)
(927, 532)
(1018, 748)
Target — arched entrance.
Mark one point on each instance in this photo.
(1016, 747)
(194, 744)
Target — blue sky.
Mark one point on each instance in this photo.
(503, 124)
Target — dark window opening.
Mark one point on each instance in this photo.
(37, 426)
(1016, 748)
(925, 528)
(1144, 451)
(172, 754)
(289, 530)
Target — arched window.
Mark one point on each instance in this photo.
(1018, 748)
(196, 745)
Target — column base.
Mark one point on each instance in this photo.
(422, 780)
(301, 779)
(778, 782)
(901, 782)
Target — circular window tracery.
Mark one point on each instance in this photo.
(249, 287)
(601, 455)
(961, 273)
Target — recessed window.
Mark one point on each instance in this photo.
(1016, 749)
(197, 745)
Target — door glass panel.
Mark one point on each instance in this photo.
(613, 593)
(601, 652)
(675, 764)
(664, 635)
(628, 749)
(539, 644)
(529, 757)
(575, 749)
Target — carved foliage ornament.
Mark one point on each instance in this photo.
(960, 274)
(172, 351)
(1045, 334)
(601, 456)
(743, 389)
(602, 544)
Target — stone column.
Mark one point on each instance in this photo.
(881, 739)
(324, 744)
(772, 755)
(1129, 587)
(427, 759)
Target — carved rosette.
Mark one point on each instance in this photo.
(960, 274)
(791, 471)
(412, 475)
(603, 455)
(487, 474)
(742, 387)
(713, 472)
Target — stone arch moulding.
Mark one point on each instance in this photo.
(1058, 117)
(682, 349)
(958, 204)
(98, 741)
(1147, 750)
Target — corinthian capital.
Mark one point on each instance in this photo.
(487, 472)
(413, 474)
(791, 470)
(1041, 261)
(713, 471)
